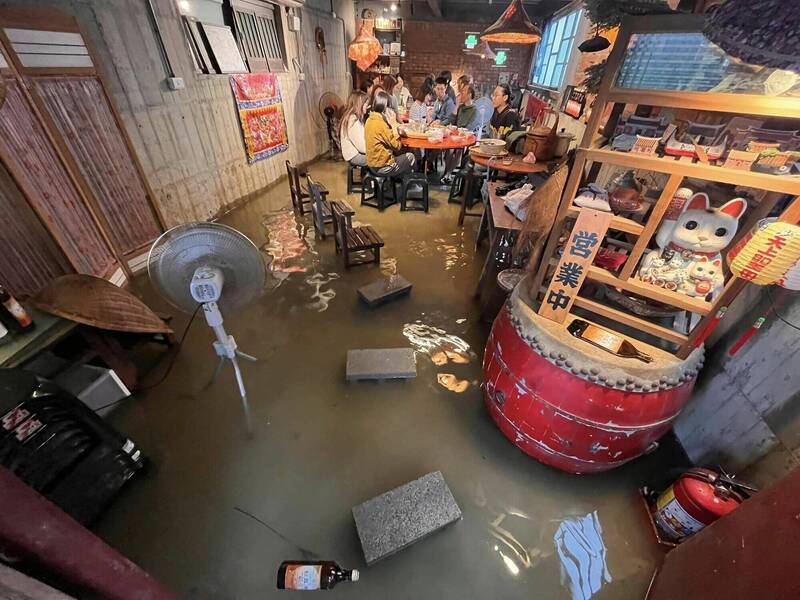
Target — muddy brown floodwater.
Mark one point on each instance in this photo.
(218, 512)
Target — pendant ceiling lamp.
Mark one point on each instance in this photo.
(513, 27)
(365, 48)
(596, 44)
(483, 50)
(759, 32)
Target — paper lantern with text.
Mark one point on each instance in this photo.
(365, 48)
(767, 254)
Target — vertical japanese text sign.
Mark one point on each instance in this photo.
(584, 241)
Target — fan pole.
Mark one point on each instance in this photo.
(225, 347)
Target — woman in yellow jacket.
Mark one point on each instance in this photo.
(383, 142)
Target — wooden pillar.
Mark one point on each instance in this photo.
(31, 525)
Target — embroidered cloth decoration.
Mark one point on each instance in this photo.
(258, 101)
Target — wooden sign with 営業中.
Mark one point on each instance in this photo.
(584, 241)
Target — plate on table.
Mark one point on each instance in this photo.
(419, 135)
(499, 154)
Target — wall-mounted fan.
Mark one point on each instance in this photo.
(330, 107)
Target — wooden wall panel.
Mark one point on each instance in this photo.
(29, 258)
(82, 114)
(28, 153)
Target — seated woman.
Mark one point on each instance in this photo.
(421, 109)
(400, 92)
(383, 141)
(351, 132)
(390, 112)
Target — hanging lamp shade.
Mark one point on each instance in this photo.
(483, 50)
(595, 44)
(365, 48)
(759, 32)
(513, 27)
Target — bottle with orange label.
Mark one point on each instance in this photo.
(16, 315)
(312, 575)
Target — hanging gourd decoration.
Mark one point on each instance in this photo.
(366, 47)
(768, 254)
(319, 38)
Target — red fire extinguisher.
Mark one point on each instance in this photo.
(698, 498)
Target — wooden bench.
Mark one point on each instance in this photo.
(300, 193)
(363, 241)
(321, 212)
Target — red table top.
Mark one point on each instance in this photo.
(516, 166)
(447, 144)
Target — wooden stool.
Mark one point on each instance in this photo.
(421, 203)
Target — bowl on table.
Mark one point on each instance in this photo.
(492, 147)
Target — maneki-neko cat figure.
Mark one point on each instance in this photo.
(689, 257)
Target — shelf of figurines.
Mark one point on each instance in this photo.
(672, 260)
(740, 151)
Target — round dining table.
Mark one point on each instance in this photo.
(510, 163)
(447, 143)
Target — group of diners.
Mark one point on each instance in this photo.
(370, 134)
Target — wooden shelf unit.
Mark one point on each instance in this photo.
(589, 152)
(618, 223)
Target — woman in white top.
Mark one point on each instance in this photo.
(351, 133)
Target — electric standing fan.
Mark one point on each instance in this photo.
(217, 267)
(330, 106)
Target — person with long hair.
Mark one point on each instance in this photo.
(505, 119)
(390, 111)
(351, 130)
(448, 77)
(383, 141)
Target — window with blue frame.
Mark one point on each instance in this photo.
(554, 50)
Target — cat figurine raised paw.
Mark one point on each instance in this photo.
(689, 260)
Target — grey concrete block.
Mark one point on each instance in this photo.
(384, 290)
(396, 519)
(381, 363)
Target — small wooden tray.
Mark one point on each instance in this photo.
(420, 135)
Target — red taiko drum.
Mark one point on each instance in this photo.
(573, 406)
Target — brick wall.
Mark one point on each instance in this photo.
(433, 46)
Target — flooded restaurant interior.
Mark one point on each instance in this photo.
(399, 299)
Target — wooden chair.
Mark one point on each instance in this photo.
(321, 213)
(362, 241)
(299, 192)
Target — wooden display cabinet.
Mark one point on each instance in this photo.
(594, 150)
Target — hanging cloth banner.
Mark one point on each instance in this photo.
(258, 101)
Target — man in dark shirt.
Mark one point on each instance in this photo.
(505, 119)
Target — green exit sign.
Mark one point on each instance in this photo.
(471, 41)
(500, 57)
